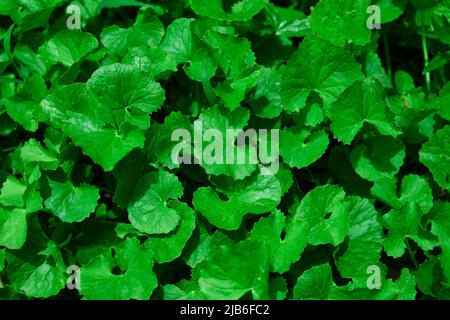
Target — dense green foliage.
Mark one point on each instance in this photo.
(87, 178)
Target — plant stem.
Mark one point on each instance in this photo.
(387, 54)
(411, 254)
(65, 242)
(297, 185)
(442, 75)
(209, 92)
(302, 6)
(106, 190)
(427, 60)
(7, 150)
(313, 179)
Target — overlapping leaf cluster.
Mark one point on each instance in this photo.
(87, 178)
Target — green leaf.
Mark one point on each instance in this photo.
(33, 62)
(404, 223)
(321, 210)
(341, 166)
(31, 14)
(2, 260)
(150, 213)
(379, 158)
(234, 270)
(205, 241)
(404, 82)
(106, 146)
(444, 96)
(287, 22)
(146, 32)
(441, 228)
(123, 86)
(314, 284)
(37, 269)
(159, 144)
(243, 149)
(92, 125)
(70, 203)
(12, 193)
(232, 92)
(313, 115)
(342, 21)
(45, 281)
(283, 250)
(309, 70)
(363, 102)
(267, 99)
(435, 154)
(413, 189)
(137, 281)
(68, 47)
(184, 290)
(285, 177)
(278, 288)
(437, 62)
(13, 228)
(424, 4)
(374, 67)
(23, 107)
(202, 66)
(391, 9)
(257, 194)
(127, 172)
(240, 10)
(426, 277)
(33, 152)
(177, 42)
(364, 240)
(102, 4)
(301, 147)
(169, 247)
(233, 54)
(7, 41)
(152, 60)
(403, 289)
(214, 156)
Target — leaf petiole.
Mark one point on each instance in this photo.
(426, 60)
(209, 92)
(411, 254)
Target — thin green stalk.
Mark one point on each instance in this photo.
(442, 75)
(106, 190)
(302, 6)
(209, 92)
(65, 242)
(313, 179)
(411, 254)
(7, 150)
(387, 54)
(297, 185)
(427, 60)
